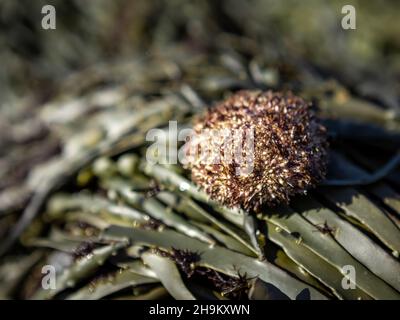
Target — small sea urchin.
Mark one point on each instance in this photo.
(281, 143)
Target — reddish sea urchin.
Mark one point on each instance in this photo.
(287, 153)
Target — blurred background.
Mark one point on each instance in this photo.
(89, 32)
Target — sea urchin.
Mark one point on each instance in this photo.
(257, 148)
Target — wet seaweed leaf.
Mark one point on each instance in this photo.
(109, 284)
(355, 242)
(156, 210)
(360, 207)
(156, 293)
(261, 290)
(326, 247)
(93, 204)
(168, 274)
(225, 239)
(310, 261)
(79, 270)
(389, 197)
(188, 206)
(215, 257)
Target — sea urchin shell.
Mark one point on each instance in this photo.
(282, 150)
